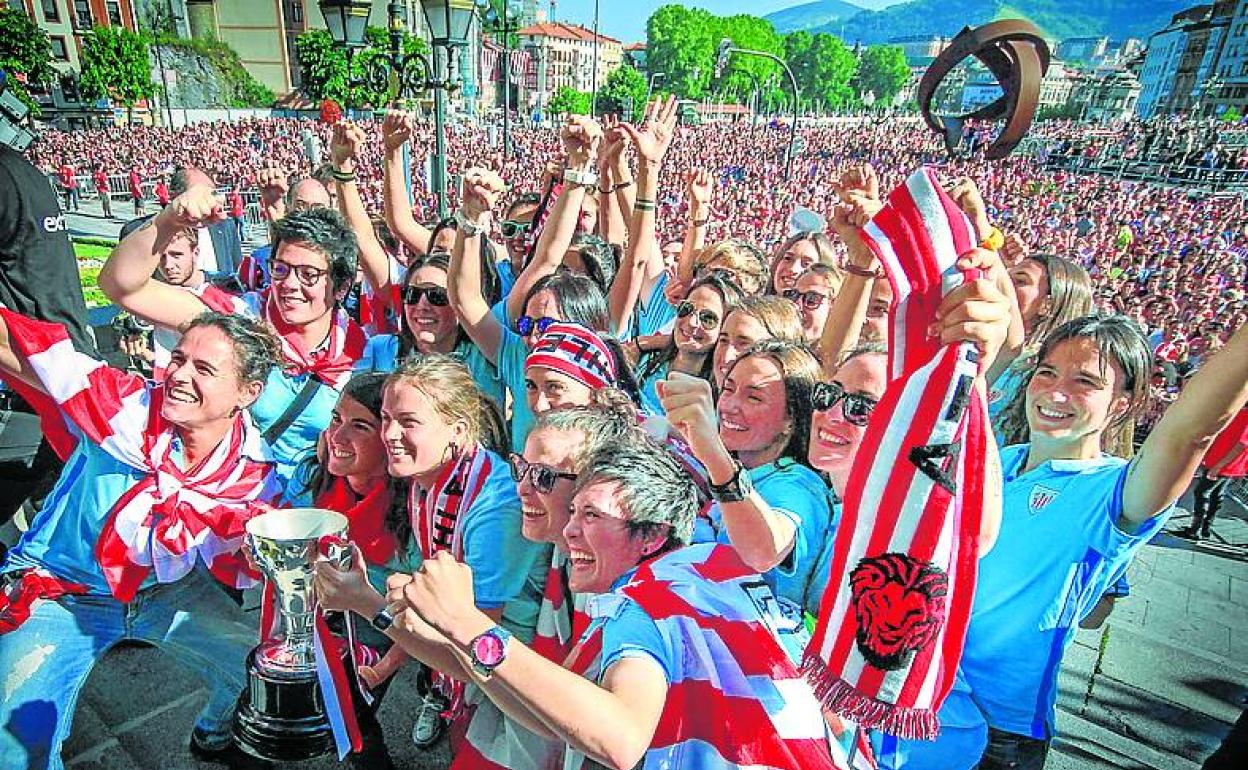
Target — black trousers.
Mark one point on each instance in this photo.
(1008, 751)
(1208, 494)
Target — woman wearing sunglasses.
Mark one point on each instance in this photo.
(560, 296)
(312, 267)
(429, 325)
(691, 346)
(813, 293)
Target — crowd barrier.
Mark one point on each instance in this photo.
(1207, 178)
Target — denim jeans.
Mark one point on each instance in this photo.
(45, 662)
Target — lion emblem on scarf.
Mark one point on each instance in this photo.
(899, 607)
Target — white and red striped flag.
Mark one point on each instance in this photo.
(891, 627)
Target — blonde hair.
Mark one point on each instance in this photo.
(448, 384)
(779, 317)
(744, 259)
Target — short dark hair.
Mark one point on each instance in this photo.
(256, 349)
(326, 231)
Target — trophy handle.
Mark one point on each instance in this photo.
(337, 549)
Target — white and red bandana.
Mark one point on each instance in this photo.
(576, 351)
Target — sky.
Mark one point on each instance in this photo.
(625, 20)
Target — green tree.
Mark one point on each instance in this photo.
(25, 50)
(1231, 115)
(754, 34)
(323, 67)
(824, 68)
(681, 42)
(624, 93)
(115, 65)
(883, 71)
(569, 101)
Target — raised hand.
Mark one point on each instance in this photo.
(481, 191)
(861, 179)
(700, 185)
(581, 136)
(396, 128)
(272, 183)
(966, 194)
(1014, 250)
(654, 138)
(344, 146)
(197, 207)
(690, 408)
(977, 311)
(614, 141)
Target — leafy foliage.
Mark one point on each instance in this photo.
(115, 65)
(883, 72)
(242, 89)
(323, 66)
(824, 67)
(568, 101)
(24, 50)
(1231, 115)
(681, 42)
(624, 93)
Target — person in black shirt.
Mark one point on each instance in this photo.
(38, 278)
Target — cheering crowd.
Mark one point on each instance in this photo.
(620, 442)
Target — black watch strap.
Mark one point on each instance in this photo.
(734, 490)
(382, 620)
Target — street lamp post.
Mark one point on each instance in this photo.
(726, 50)
(650, 88)
(510, 12)
(405, 75)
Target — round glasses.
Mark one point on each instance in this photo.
(811, 300)
(307, 274)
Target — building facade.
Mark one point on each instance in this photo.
(1183, 68)
(1108, 95)
(564, 56)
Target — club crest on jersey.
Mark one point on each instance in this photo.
(1040, 497)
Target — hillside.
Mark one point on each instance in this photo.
(1116, 19)
(817, 14)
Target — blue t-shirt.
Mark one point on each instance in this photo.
(506, 277)
(381, 354)
(1002, 393)
(655, 313)
(1058, 550)
(649, 391)
(797, 493)
(512, 353)
(508, 571)
(63, 535)
(818, 584)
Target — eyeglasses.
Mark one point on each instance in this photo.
(510, 228)
(307, 275)
(526, 323)
(856, 408)
(543, 477)
(705, 318)
(722, 273)
(811, 300)
(436, 295)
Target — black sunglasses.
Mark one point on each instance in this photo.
(856, 408)
(511, 229)
(707, 319)
(526, 323)
(436, 295)
(811, 300)
(543, 477)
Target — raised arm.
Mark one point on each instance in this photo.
(613, 171)
(482, 189)
(1174, 449)
(762, 536)
(13, 362)
(396, 130)
(848, 311)
(127, 277)
(581, 136)
(344, 148)
(701, 187)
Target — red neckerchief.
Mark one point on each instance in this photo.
(366, 517)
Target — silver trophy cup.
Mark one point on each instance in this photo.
(281, 715)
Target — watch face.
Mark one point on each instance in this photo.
(488, 650)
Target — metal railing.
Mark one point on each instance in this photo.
(1207, 178)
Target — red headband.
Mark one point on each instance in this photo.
(575, 351)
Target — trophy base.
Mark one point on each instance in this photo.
(281, 716)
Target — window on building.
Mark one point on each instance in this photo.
(50, 11)
(296, 12)
(82, 15)
(60, 51)
(114, 13)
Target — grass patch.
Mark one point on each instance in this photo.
(91, 253)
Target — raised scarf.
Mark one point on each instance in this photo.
(902, 578)
(331, 363)
(561, 617)
(171, 518)
(738, 698)
(366, 516)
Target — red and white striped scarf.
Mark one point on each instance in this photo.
(331, 363)
(171, 518)
(561, 618)
(892, 624)
(737, 700)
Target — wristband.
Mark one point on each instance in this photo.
(469, 228)
(587, 179)
(701, 222)
(342, 176)
(994, 240)
(622, 186)
(641, 204)
(863, 272)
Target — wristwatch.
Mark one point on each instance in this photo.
(735, 489)
(489, 650)
(469, 228)
(382, 620)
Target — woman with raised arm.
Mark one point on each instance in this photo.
(1092, 511)
(312, 267)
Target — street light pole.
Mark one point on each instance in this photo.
(650, 88)
(593, 98)
(506, 81)
(726, 49)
